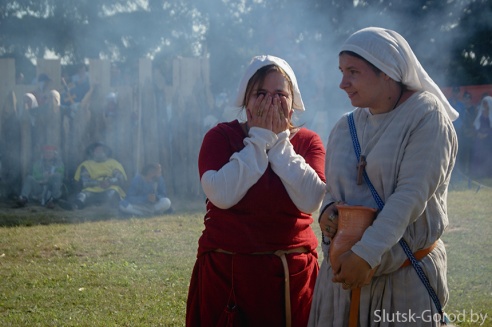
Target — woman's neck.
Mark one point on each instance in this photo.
(397, 96)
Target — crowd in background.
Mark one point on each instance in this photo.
(474, 131)
(69, 120)
(54, 151)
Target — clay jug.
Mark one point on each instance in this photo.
(352, 222)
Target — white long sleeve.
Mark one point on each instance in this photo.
(227, 186)
(301, 181)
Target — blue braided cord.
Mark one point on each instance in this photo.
(422, 275)
(353, 133)
(357, 149)
(375, 194)
(380, 203)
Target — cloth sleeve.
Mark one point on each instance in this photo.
(135, 193)
(86, 179)
(424, 167)
(302, 182)
(118, 177)
(227, 186)
(161, 188)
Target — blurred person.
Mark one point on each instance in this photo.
(468, 133)
(81, 83)
(114, 125)
(68, 98)
(482, 145)
(45, 182)
(111, 122)
(44, 85)
(394, 153)
(10, 145)
(19, 78)
(50, 122)
(455, 100)
(30, 107)
(257, 261)
(41, 124)
(29, 127)
(101, 178)
(147, 193)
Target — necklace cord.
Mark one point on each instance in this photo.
(399, 98)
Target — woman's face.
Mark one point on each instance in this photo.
(274, 84)
(364, 86)
(99, 154)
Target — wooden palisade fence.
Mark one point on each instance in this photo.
(155, 121)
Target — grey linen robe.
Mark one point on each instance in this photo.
(410, 156)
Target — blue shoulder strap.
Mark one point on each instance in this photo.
(380, 203)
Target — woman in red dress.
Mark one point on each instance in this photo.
(257, 261)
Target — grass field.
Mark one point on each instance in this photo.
(135, 272)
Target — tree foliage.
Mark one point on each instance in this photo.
(451, 38)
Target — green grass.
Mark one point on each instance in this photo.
(469, 246)
(135, 272)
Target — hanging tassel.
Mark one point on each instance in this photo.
(229, 317)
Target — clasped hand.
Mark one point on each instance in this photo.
(328, 221)
(269, 112)
(352, 272)
(105, 183)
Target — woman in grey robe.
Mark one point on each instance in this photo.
(405, 131)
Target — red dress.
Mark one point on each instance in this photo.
(264, 220)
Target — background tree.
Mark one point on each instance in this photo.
(452, 38)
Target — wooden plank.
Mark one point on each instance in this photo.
(170, 130)
(189, 103)
(100, 74)
(10, 172)
(148, 113)
(144, 71)
(119, 130)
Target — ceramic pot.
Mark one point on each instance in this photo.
(352, 222)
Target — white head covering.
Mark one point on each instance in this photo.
(262, 61)
(487, 99)
(54, 95)
(34, 102)
(391, 53)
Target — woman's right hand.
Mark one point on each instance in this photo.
(261, 114)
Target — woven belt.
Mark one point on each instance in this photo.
(281, 254)
(355, 296)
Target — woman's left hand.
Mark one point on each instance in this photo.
(353, 271)
(281, 113)
(328, 221)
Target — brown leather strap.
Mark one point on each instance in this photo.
(355, 296)
(420, 254)
(354, 307)
(288, 309)
(281, 254)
